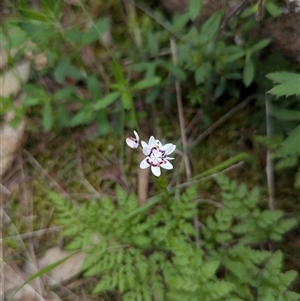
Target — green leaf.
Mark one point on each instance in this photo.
(210, 28)
(153, 43)
(104, 284)
(126, 100)
(260, 45)
(209, 268)
(62, 69)
(288, 83)
(96, 31)
(194, 8)
(84, 116)
(234, 57)
(272, 9)
(64, 93)
(180, 21)
(248, 72)
(103, 123)
(285, 114)
(73, 35)
(38, 33)
(106, 101)
(35, 91)
(153, 95)
(286, 89)
(62, 117)
(297, 179)
(146, 83)
(118, 73)
(51, 56)
(174, 70)
(52, 8)
(30, 101)
(280, 77)
(6, 104)
(47, 117)
(45, 270)
(292, 296)
(202, 73)
(33, 15)
(291, 145)
(94, 87)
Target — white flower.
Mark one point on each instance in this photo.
(133, 142)
(156, 155)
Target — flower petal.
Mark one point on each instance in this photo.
(167, 165)
(170, 158)
(144, 144)
(144, 164)
(152, 142)
(131, 142)
(146, 150)
(169, 148)
(136, 136)
(155, 170)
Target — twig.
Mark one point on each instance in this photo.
(27, 198)
(183, 137)
(260, 10)
(35, 233)
(180, 114)
(37, 165)
(232, 13)
(4, 190)
(192, 124)
(155, 199)
(1, 251)
(136, 30)
(232, 167)
(225, 117)
(5, 218)
(269, 163)
(146, 9)
(211, 202)
(82, 178)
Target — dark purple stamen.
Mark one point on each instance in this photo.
(162, 157)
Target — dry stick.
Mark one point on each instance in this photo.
(232, 167)
(232, 13)
(181, 116)
(269, 163)
(192, 124)
(136, 29)
(151, 13)
(29, 204)
(225, 117)
(6, 218)
(35, 233)
(4, 190)
(1, 252)
(37, 165)
(211, 202)
(260, 10)
(183, 137)
(83, 180)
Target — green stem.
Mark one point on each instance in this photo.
(201, 177)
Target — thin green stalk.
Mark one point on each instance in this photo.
(235, 161)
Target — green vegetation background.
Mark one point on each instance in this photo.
(108, 69)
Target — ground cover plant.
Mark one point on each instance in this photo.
(137, 152)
